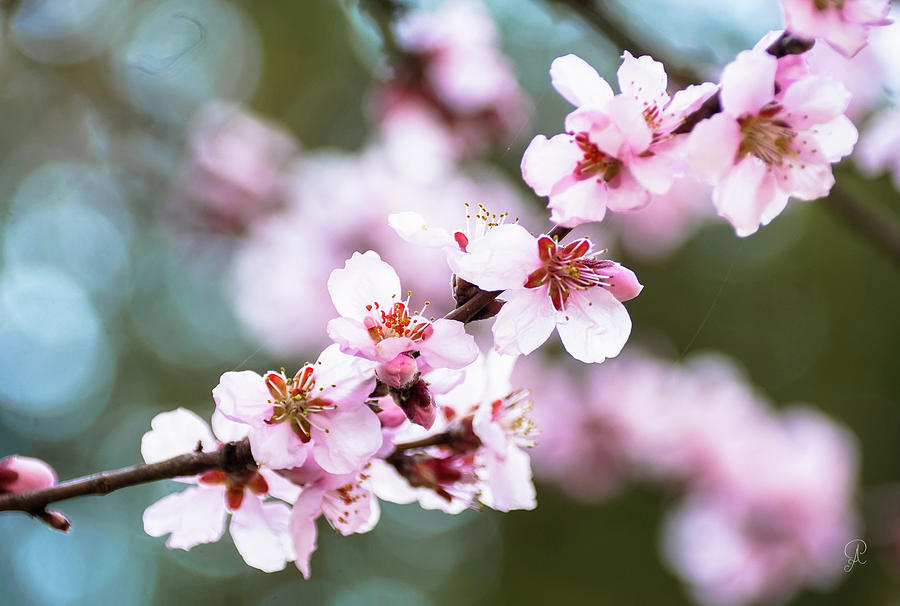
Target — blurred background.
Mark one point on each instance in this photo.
(177, 179)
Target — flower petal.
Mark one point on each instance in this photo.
(243, 396)
(595, 325)
(191, 517)
(302, 526)
(524, 322)
(713, 146)
(502, 259)
(278, 446)
(344, 441)
(174, 433)
(260, 534)
(509, 484)
(546, 161)
(748, 83)
(578, 82)
(364, 280)
(449, 346)
(412, 227)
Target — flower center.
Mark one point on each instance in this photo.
(235, 484)
(479, 224)
(572, 267)
(766, 137)
(512, 414)
(294, 401)
(396, 322)
(595, 162)
(824, 4)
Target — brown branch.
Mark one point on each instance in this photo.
(233, 456)
(436, 440)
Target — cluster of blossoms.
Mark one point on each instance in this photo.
(765, 498)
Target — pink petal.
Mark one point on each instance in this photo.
(595, 326)
(744, 194)
(279, 486)
(578, 82)
(192, 517)
(546, 161)
(227, 430)
(581, 202)
(351, 337)
(509, 484)
(748, 83)
(260, 534)
(643, 80)
(655, 173)
(712, 146)
(837, 138)
(622, 282)
(685, 102)
(277, 446)
(626, 114)
(449, 346)
(243, 396)
(625, 193)
(350, 518)
(364, 280)
(174, 433)
(344, 441)
(344, 379)
(524, 322)
(502, 259)
(814, 100)
(31, 474)
(302, 526)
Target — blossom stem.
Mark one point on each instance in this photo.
(435, 440)
(233, 456)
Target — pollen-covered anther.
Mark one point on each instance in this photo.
(572, 267)
(294, 402)
(595, 162)
(766, 136)
(397, 322)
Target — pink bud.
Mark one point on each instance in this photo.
(622, 282)
(391, 415)
(418, 404)
(399, 372)
(23, 474)
(55, 520)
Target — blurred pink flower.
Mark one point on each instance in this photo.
(24, 474)
(320, 411)
(780, 524)
(879, 146)
(197, 515)
(767, 145)
(844, 25)
(455, 78)
(619, 150)
(235, 167)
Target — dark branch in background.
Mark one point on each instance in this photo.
(869, 223)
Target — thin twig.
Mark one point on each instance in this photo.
(878, 228)
(233, 456)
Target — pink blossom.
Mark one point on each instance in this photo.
(844, 24)
(24, 474)
(780, 521)
(236, 165)
(618, 150)
(345, 500)
(879, 146)
(259, 528)
(766, 146)
(566, 287)
(376, 323)
(320, 411)
(456, 82)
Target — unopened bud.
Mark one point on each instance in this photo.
(54, 519)
(399, 372)
(23, 474)
(390, 415)
(622, 282)
(417, 403)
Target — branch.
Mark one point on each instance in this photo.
(875, 226)
(233, 456)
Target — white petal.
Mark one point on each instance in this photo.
(260, 534)
(578, 82)
(279, 486)
(344, 441)
(277, 446)
(595, 326)
(524, 322)
(243, 396)
(227, 430)
(192, 517)
(509, 484)
(502, 259)
(364, 280)
(344, 379)
(412, 227)
(836, 138)
(302, 526)
(546, 161)
(175, 433)
(449, 346)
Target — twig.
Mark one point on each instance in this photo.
(875, 226)
(233, 456)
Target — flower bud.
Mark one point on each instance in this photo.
(55, 519)
(622, 282)
(23, 474)
(399, 372)
(417, 403)
(391, 415)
